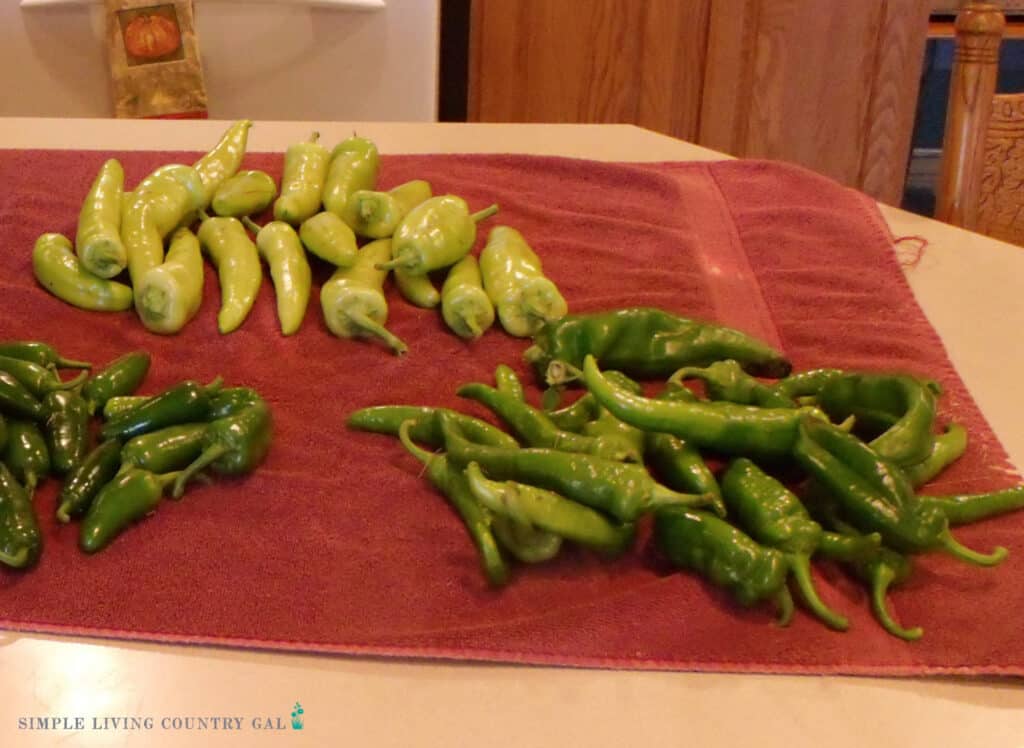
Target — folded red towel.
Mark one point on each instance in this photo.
(338, 544)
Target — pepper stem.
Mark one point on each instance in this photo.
(800, 566)
(880, 582)
(211, 454)
(70, 363)
(62, 512)
(214, 386)
(485, 213)
(414, 449)
(784, 602)
(203, 215)
(662, 496)
(561, 372)
(362, 321)
(950, 544)
(17, 560)
(250, 224)
(74, 382)
(403, 260)
(315, 136)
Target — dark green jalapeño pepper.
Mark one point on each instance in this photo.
(20, 538)
(26, 453)
(126, 499)
(16, 400)
(67, 429)
(37, 379)
(234, 445)
(85, 480)
(43, 354)
(165, 450)
(121, 377)
(186, 402)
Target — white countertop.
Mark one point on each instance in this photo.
(970, 289)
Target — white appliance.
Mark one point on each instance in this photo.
(349, 60)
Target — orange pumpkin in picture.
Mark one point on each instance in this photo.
(151, 36)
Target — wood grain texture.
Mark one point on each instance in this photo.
(1001, 208)
(588, 61)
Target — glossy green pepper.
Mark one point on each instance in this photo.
(279, 245)
(3, 433)
(183, 403)
(170, 294)
(961, 509)
(725, 555)
(947, 448)
(165, 450)
(21, 541)
(233, 445)
(123, 501)
(527, 543)
(119, 378)
(244, 194)
(514, 279)
(121, 404)
(645, 342)
(435, 234)
(237, 261)
(376, 215)
(329, 238)
(302, 183)
(39, 380)
(451, 482)
(58, 271)
(26, 453)
(231, 400)
(354, 163)
(425, 425)
(42, 354)
(506, 380)
(98, 239)
(223, 160)
(465, 306)
(86, 479)
(16, 400)
(353, 299)
(726, 380)
(66, 429)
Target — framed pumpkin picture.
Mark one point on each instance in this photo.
(151, 35)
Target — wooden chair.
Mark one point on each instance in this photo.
(981, 182)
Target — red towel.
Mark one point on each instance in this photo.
(338, 544)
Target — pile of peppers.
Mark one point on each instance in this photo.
(748, 471)
(114, 473)
(143, 248)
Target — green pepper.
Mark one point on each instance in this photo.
(805, 384)
(376, 215)
(67, 429)
(26, 453)
(302, 183)
(42, 354)
(418, 290)
(721, 426)
(726, 380)
(529, 544)
(21, 541)
(550, 512)
(946, 449)
(124, 500)
(183, 403)
(3, 433)
(773, 516)
(165, 450)
(279, 245)
(98, 239)
(514, 280)
(223, 160)
(465, 306)
(86, 479)
(16, 400)
(871, 498)
(725, 555)
(231, 400)
(233, 445)
(354, 163)
(353, 299)
(170, 294)
(451, 482)
(622, 490)
(425, 424)
(238, 268)
(60, 272)
(535, 429)
(961, 509)
(329, 238)
(244, 194)
(121, 377)
(121, 404)
(435, 234)
(506, 380)
(37, 379)
(645, 342)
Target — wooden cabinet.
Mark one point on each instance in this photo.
(829, 84)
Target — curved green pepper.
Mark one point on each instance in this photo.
(121, 377)
(353, 299)
(59, 271)
(26, 453)
(302, 183)
(124, 500)
(238, 268)
(169, 295)
(279, 245)
(165, 450)
(506, 380)
(726, 380)
(37, 379)
(435, 234)
(42, 354)
(961, 509)
(21, 541)
(223, 160)
(425, 424)
(465, 306)
(514, 279)
(67, 429)
(244, 194)
(98, 239)
(947, 448)
(353, 166)
(183, 403)
(231, 400)
(329, 238)
(85, 480)
(16, 400)
(376, 215)
(121, 404)
(528, 543)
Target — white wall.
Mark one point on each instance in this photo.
(261, 61)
